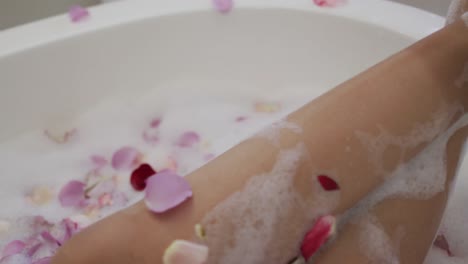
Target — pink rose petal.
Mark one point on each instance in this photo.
(77, 13)
(155, 122)
(183, 252)
(125, 158)
(47, 236)
(70, 228)
(72, 194)
(188, 139)
(329, 3)
(241, 119)
(223, 6)
(12, 248)
(166, 190)
(99, 161)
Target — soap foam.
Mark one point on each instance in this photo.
(419, 134)
(267, 219)
(375, 243)
(420, 178)
(273, 131)
(455, 11)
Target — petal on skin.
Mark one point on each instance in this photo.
(183, 252)
(72, 194)
(327, 183)
(125, 158)
(323, 229)
(166, 190)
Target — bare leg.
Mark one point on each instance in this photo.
(413, 87)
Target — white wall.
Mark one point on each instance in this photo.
(14, 12)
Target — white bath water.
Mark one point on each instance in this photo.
(36, 165)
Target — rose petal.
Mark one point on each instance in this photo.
(47, 236)
(183, 252)
(99, 161)
(241, 119)
(71, 228)
(166, 190)
(12, 248)
(267, 107)
(125, 158)
(16, 259)
(77, 13)
(72, 194)
(188, 139)
(223, 6)
(327, 183)
(329, 3)
(140, 175)
(442, 243)
(155, 123)
(151, 136)
(59, 136)
(46, 260)
(323, 229)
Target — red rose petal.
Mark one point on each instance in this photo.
(321, 232)
(328, 184)
(442, 243)
(140, 175)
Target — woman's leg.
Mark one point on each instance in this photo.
(257, 200)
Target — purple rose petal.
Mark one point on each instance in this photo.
(77, 13)
(46, 260)
(166, 190)
(188, 139)
(125, 158)
(47, 236)
(12, 248)
(70, 228)
(223, 6)
(72, 194)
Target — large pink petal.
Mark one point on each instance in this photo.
(166, 190)
(12, 248)
(72, 194)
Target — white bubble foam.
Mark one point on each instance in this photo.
(256, 216)
(455, 10)
(273, 132)
(375, 243)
